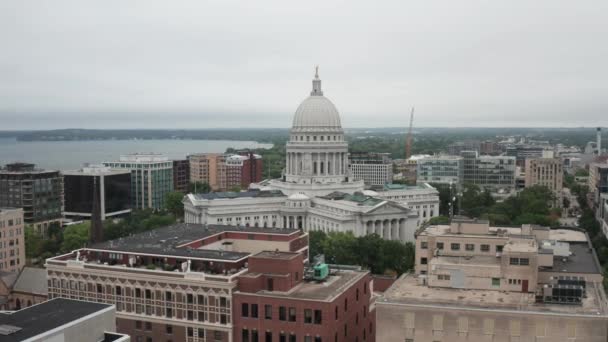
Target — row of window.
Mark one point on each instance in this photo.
(469, 247)
(10, 223)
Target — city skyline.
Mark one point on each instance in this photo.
(227, 65)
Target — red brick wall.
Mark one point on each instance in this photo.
(352, 317)
(382, 283)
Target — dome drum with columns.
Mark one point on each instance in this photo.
(317, 191)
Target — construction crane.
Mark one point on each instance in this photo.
(408, 143)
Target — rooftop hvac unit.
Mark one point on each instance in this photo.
(563, 294)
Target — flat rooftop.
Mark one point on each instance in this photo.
(276, 255)
(407, 290)
(326, 290)
(241, 194)
(52, 314)
(565, 235)
(582, 260)
(165, 241)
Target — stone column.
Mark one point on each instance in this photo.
(333, 163)
(388, 229)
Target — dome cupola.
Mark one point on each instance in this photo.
(316, 113)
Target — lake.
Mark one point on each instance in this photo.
(70, 155)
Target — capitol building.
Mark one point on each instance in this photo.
(317, 190)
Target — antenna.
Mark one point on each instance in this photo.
(408, 143)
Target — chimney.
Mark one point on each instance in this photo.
(599, 141)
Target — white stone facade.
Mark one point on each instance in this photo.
(317, 190)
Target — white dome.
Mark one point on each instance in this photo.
(317, 112)
(298, 197)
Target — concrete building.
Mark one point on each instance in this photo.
(489, 172)
(61, 320)
(113, 189)
(317, 190)
(151, 178)
(181, 175)
(176, 282)
(547, 172)
(372, 168)
(440, 169)
(473, 282)
(277, 300)
(38, 192)
(12, 240)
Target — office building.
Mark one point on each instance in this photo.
(12, 239)
(440, 169)
(177, 282)
(489, 172)
(474, 282)
(38, 192)
(469, 145)
(521, 152)
(61, 320)
(371, 168)
(252, 168)
(277, 299)
(113, 189)
(546, 172)
(151, 178)
(224, 172)
(181, 175)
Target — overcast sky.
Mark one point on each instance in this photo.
(202, 64)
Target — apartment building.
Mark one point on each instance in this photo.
(278, 300)
(371, 168)
(175, 283)
(226, 171)
(546, 172)
(474, 282)
(12, 240)
(151, 178)
(38, 192)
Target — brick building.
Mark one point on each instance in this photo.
(12, 240)
(226, 171)
(171, 284)
(276, 301)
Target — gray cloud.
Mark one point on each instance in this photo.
(198, 64)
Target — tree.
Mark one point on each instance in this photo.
(173, 203)
(33, 242)
(236, 188)
(439, 220)
(315, 243)
(75, 236)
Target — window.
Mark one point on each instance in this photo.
(443, 277)
(148, 294)
(254, 335)
(318, 339)
(308, 316)
(245, 310)
(282, 337)
(514, 261)
(254, 311)
(292, 314)
(190, 315)
(499, 249)
(345, 304)
(292, 337)
(189, 298)
(138, 293)
(268, 336)
(223, 319)
(268, 311)
(282, 313)
(148, 326)
(524, 261)
(169, 329)
(357, 295)
(168, 296)
(245, 335)
(223, 302)
(190, 332)
(169, 312)
(118, 291)
(440, 245)
(138, 325)
(336, 312)
(485, 248)
(455, 246)
(495, 281)
(424, 245)
(423, 261)
(218, 335)
(318, 317)
(469, 247)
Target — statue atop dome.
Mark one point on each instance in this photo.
(316, 84)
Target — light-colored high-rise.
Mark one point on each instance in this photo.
(546, 172)
(12, 240)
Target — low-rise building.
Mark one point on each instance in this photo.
(12, 240)
(61, 320)
(22, 289)
(546, 172)
(174, 283)
(113, 189)
(474, 282)
(371, 168)
(279, 300)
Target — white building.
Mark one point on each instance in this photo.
(317, 190)
(372, 168)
